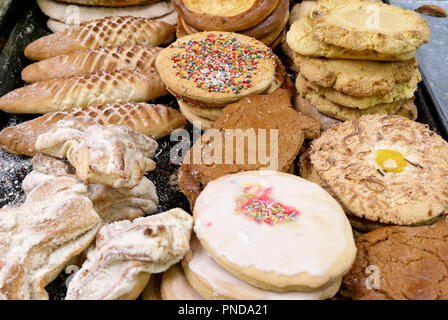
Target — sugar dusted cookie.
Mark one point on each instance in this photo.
(175, 286)
(275, 231)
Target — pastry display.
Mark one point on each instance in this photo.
(116, 155)
(86, 61)
(110, 31)
(241, 219)
(56, 222)
(264, 20)
(154, 121)
(215, 283)
(125, 254)
(384, 169)
(80, 91)
(261, 113)
(109, 203)
(283, 133)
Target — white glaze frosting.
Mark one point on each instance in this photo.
(311, 243)
(228, 285)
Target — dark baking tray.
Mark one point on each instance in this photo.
(23, 23)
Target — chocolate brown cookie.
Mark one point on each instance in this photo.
(272, 111)
(399, 263)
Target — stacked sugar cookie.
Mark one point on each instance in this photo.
(264, 20)
(207, 71)
(264, 235)
(357, 57)
(63, 14)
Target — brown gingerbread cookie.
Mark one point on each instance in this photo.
(250, 114)
(398, 263)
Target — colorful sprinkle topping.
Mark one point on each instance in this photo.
(257, 204)
(219, 63)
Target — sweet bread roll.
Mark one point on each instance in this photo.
(56, 222)
(110, 3)
(127, 57)
(152, 120)
(224, 15)
(116, 156)
(65, 13)
(126, 253)
(80, 91)
(114, 31)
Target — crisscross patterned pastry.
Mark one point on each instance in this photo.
(152, 120)
(117, 156)
(80, 91)
(56, 222)
(110, 204)
(99, 33)
(126, 253)
(85, 61)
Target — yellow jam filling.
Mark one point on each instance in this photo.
(390, 160)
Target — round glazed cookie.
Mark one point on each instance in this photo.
(225, 15)
(175, 285)
(216, 68)
(274, 230)
(215, 283)
(384, 168)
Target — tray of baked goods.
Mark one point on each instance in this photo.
(242, 150)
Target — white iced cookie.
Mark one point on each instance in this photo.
(215, 283)
(275, 231)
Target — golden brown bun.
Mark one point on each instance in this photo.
(110, 3)
(81, 91)
(102, 32)
(85, 61)
(256, 11)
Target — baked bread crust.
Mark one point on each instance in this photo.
(80, 91)
(259, 11)
(85, 61)
(109, 31)
(154, 121)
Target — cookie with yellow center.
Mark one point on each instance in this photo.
(216, 68)
(384, 169)
(274, 231)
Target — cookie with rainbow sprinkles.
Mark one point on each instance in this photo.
(275, 231)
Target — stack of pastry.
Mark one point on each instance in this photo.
(63, 13)
(247, 247)
(111, 60)
(208, 70)
(264, 20)
(357, 57)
